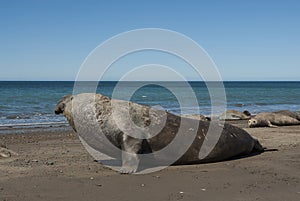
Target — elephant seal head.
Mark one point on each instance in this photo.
(61, 105)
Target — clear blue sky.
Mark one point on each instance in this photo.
(248, 40)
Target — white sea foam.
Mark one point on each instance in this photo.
(33, 124)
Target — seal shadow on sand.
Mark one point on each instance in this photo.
(144, 164)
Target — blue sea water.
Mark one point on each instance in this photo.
(32, 103)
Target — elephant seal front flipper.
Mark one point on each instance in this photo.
(271, 125)
(130, 160)
(130, 163)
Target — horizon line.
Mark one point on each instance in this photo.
(149, 81)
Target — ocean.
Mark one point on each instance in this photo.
(30, 104)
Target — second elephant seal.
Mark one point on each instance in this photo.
(269, 119)
(235, 115)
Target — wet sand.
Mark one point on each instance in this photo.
(55, 166)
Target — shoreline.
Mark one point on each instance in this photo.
(6, 130)
(62, 125)
(55, 166)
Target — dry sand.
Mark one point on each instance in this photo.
(55, 166)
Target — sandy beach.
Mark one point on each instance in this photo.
(121, 73)
(55, 166)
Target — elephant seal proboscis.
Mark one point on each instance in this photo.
(269, 119)
(235, 115)
(91, 116)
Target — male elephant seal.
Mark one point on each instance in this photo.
(91, 116)
(268, 119)
(235, 115)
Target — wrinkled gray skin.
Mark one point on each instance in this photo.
(295, 115)
(268, 119)
(91, 114)
(235, 115)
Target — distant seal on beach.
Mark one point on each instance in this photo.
(90, 115)
(235, 115)
(269, 119)
(289, 113)
(199, 117)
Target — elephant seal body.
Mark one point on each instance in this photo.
(199, 117)
(235, 115)
(289, 113)
(92, 117)
(267, 119)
